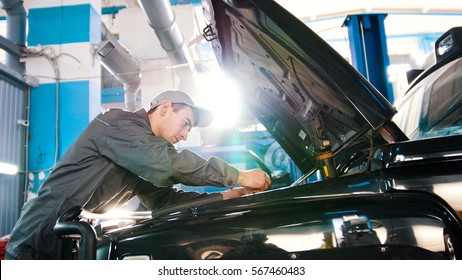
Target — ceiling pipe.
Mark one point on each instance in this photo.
(16, 20)
(118, 62)
(162, 19)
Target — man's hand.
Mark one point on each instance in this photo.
(255, 180)
(251, 181)
(236, 192)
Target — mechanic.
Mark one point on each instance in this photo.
(123, 154)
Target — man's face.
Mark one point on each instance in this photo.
(175, 126)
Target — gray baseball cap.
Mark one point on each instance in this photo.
(205, 117)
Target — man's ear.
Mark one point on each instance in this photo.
(165, 106)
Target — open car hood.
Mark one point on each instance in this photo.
(312, 101)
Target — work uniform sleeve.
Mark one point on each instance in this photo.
(131, 145)
(157, 198)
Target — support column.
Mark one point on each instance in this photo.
(61, 43)
(369, 52)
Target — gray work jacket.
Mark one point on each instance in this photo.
(115, 158)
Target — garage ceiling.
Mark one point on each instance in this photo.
(309, 11)
(312, 10)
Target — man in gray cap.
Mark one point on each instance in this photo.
(124, 154)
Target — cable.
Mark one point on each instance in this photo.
(26, 167)
(50, 55)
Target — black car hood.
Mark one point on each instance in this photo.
(307, 96)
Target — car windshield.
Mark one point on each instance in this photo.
(433, 107)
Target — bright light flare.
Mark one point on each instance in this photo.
(218, 94)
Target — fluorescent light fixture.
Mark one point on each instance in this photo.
(9, 169)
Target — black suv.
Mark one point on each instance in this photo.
(378, 194)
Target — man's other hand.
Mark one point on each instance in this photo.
(254, 179)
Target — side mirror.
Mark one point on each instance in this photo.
(412, 74)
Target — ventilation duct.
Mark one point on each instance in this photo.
(162, 20)
(16, 20)
(118, 62)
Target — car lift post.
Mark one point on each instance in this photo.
(369, 51)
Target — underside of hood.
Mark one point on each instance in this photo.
(312, 101)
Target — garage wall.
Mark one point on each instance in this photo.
(13, 102)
